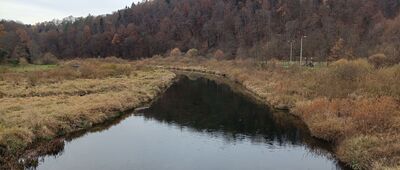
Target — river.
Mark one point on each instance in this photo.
(197, 124)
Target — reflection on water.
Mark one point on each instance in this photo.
(196, 124)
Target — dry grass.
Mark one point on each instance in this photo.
(366, 130)
(351, 103)
(42, 104)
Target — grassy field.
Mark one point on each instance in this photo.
(349, 103)
(38, 103)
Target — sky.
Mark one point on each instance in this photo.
(33, 11)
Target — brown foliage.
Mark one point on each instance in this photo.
(379, 60)
(355, 124)
(192, 52)
(175, 52)
(47, 58)
(219, 55)
(139, 31)
(341, 79)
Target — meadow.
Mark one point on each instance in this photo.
(40, 103)
(353, 104)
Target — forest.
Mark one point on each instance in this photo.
(261, 29)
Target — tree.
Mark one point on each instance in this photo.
(249, 28)
(219, 55)
(3, 55)
(2, 30)
(337, 51)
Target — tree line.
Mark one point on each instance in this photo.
(261, 29)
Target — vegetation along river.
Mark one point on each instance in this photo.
(196, 124)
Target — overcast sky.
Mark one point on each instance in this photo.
(33, 11)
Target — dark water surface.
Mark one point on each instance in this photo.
(197, 124)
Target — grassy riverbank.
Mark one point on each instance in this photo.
(38, 103)
(349, 103)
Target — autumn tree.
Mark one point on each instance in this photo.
(337, 51)
(247, 28)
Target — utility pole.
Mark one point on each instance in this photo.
(301, 48)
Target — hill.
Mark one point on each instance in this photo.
(240, 28)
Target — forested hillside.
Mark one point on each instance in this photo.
(240, 28)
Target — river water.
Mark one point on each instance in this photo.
(197, 124)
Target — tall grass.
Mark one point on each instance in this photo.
(42, 104)
(352, 103)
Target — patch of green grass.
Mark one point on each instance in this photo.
(26, 68)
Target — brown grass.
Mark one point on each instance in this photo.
(42, 104)
(351, 103)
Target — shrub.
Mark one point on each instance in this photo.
(156, 57)
(379, 60)
(342, 78)
(331, 119)
(219, 55)
(384, 82)
(375, 115)
(47, 58)
(116, 69)
(113, 59)
(325, 118)
(192, 52)
(356, 151)
(23, 61)
(89, 71)
(13, 61)
(350, 70)
(175, 52)
(3, 55)
(273, 64)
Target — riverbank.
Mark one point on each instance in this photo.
(349, 103)
(40, 104)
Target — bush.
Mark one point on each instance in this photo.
(350, 70)
(273, 64)
(375, 115)
(325, 118)
(342, 78)
(384, 82)
(3, 55)
(23, 61)
(219, 55)
(331, 119)
(115, 69)
(13, 61)
(113, 59)
(47, 58)
(379, 60)
(156, 57)
(192, 52)
(356, 151)
(175, 52)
